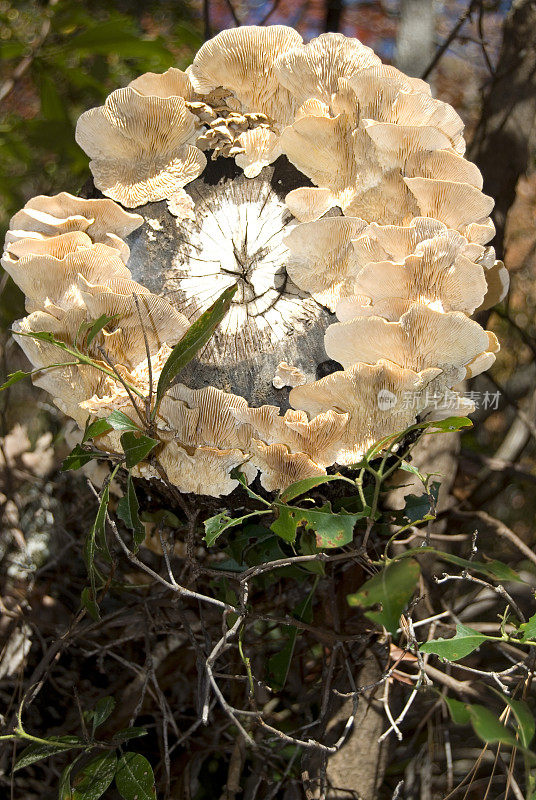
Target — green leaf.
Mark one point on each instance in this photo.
(78, 457)
(195, 338)
(332, 530)
(529, 629)
(128, 511)
(492, 569)
(93, 780)
(134, 778)
(129, 733)
(120, 422)
(488, 727)
(279, 664)
(96, 428)
(89, 604)
(524, 716)
(97, 327)
(14, 377)
(421, 507)
(464, 642)
(450, 424)
(36, 752)
(108, 37)
(96, 537)
(459, 711)
(392, 589)
(136, 448)
(215, 526)
(64, 785)
(303, 486)
(102, 711)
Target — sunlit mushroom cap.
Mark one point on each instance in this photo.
(102, 220)
(243, 61)
(312, 71)
(421, 339)
(141, 146)
(378, 400)
(280, 468)
(171, 83)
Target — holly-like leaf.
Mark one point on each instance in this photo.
(136, 448)
(37, 752)
(134, 778)
(422, 507)
(96, 537)
(195, 338)
(128, 511)
(466, 641)
(331, 530)
(391, 589)
(93, 780)
(129, 733)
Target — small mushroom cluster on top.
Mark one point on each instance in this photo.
(390, 232)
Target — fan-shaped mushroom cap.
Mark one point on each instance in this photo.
(422, 338)
(437, 275)
(44, 277)
(455, 204)
(68, 385)
(206, 471)
(56, 246)
(344, 164)
(279, 468)
(396, 143)
(137, 310)
(171, 83)
(322, 259)
(141, 146)
(319, 438)
(498, 282)
(103, 220)
(313, 70)
(216, 426)
(261, 147)
(243, 60)
(479, 232)
(287, 375)
(445, 165)
(380, 400)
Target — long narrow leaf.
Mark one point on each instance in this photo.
(195, 338)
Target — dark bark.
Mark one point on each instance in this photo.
(504, 139)
(334, 10)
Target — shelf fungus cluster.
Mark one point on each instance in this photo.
(333, 190)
